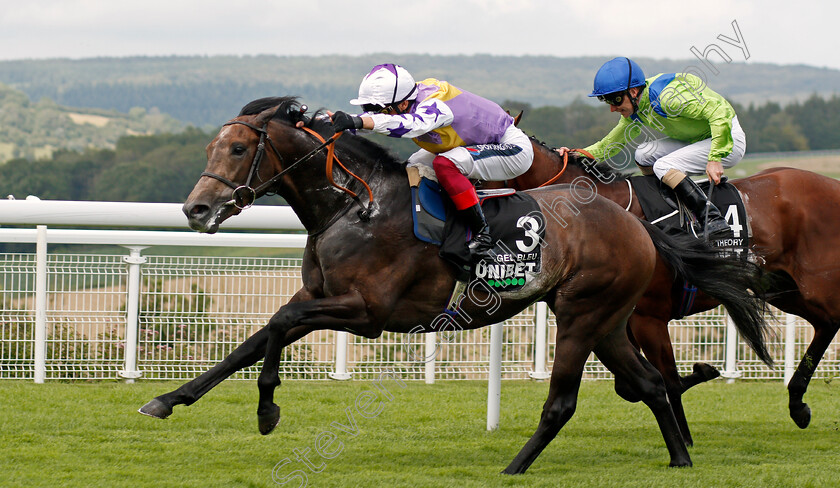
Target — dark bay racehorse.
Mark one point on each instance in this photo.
(364, 271)
(795, 221)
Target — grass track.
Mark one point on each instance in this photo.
(89, 435)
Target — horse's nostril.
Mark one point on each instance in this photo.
(200, 210)
(196, 211)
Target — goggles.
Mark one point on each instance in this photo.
(613, 99)
(376, 109)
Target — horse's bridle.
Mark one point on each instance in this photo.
(244, 196)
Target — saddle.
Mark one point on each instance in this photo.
(516, 227)
(663, 209)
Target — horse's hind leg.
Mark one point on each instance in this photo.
(822, 313)
(653, 338)
(701, 373)
(624, 361)
(800, 412)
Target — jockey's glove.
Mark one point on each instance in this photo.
(342, 121)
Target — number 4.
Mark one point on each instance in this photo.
(733, 221)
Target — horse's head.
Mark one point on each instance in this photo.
(272, 146)
(241, 156)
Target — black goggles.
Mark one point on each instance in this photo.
(613, 99)
(376, 109)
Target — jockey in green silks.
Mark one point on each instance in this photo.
(702, 131)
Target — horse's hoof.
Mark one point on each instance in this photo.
(156, 409)
(268, 420)
(706, 371)
(686, 463)
(801, 416)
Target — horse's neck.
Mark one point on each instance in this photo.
(613, 188)
(321, 205)
(549, 166)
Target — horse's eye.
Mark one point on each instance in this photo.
(238, 150)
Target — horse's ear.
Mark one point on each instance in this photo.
(517, 118)
(266, 115)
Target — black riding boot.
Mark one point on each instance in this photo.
(694, 198)
(481, 242)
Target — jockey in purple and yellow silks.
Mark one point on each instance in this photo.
(461, 136)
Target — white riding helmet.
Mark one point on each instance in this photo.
(386, 84)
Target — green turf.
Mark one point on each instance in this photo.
(89, 435)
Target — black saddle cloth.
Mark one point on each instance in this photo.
(516, 225)
(663, 209)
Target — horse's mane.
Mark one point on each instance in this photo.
(580, 161)
(289, 111)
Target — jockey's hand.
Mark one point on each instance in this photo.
(714, 170)
(342, 121)
(562, 151)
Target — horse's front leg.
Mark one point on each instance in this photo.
(344, 312)
(246, 354)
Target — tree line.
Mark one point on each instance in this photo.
(165, 167)
(207, 90)
(800, 126)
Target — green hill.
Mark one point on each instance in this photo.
(206, 91)
(34, 130)
(117, 97)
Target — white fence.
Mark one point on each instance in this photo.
(66, 316)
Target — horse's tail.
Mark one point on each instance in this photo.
(734, 282)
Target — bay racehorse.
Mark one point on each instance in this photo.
(364, 272)
(795, 220)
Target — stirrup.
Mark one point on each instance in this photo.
(717, 226)
(715, 230)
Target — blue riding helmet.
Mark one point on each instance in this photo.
(617, 75)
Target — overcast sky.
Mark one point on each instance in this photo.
(772, 31)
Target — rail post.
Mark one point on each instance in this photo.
(132, 313)
(40, 349)
(431, 355)
(494, 381)
(730, 371)
(790, 346)
(540, 332)
(340, 372)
